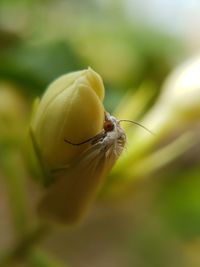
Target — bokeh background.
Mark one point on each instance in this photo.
(134, 45)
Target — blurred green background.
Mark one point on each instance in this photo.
(131, 44)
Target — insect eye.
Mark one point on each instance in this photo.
(108, 126)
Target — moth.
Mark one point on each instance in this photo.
(77, 185)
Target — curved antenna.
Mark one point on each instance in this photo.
(137, 123)
(81, 143)
(93, 138)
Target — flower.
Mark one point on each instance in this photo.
(174, 118)
(179, 102)
(71, 109)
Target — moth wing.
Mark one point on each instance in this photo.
(67, 199)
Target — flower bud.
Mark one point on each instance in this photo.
(71, 109)
(70, 112)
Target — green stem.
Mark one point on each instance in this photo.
(22, 248)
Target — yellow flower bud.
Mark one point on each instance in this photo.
(70, 113)
(71, 109)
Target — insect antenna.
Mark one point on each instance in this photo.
(81, 143)
(139, 124)
(93, 138)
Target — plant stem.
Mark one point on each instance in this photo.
(22, 248)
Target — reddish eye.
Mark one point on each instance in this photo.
(108, 126)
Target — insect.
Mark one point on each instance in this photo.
(78, 184)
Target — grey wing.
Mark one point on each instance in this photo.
(67, 199)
